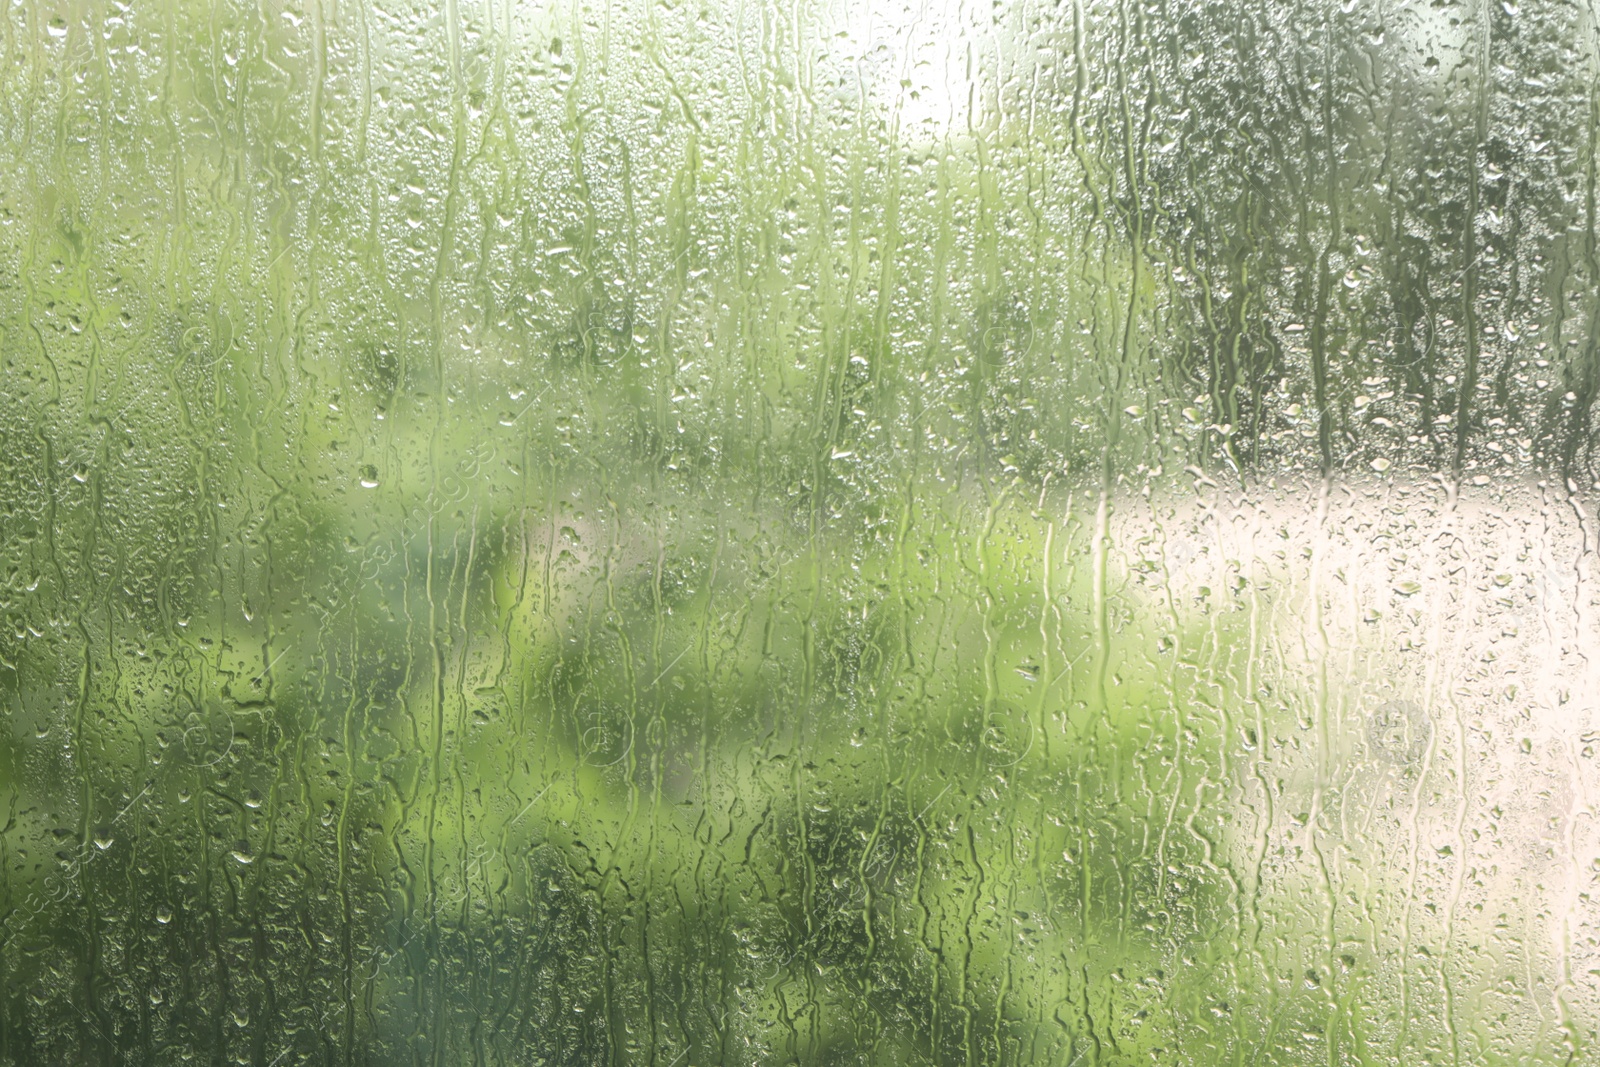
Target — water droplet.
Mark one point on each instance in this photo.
(1398, 730)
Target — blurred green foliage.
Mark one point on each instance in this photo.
(584, 535)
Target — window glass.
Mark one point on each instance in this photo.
(835, 532)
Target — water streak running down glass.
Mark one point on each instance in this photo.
(714, 532)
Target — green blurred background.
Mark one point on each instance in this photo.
(699, 532)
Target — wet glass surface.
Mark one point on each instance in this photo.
(715, 532)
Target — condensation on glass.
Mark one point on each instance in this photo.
(718, 532)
